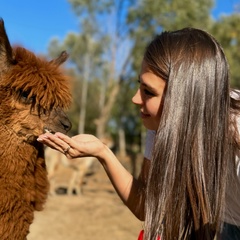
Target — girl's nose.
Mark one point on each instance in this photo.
(137, 98)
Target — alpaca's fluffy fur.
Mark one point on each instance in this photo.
(33, 93)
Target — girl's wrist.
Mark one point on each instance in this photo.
(103, 154)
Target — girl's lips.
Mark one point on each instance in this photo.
(144, 115)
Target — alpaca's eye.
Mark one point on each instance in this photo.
(24, 97)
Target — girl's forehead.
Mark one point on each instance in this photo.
(145, 67)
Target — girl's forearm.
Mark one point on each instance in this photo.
(129, 189)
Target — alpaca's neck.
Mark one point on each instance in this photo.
(23, 184)
(15, 154)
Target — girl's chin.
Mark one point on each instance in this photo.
(149, 125)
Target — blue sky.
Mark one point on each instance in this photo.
(34, 23)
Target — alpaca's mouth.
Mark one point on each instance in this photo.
(47, 130)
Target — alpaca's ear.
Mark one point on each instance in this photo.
(6, 55)
(61, 59)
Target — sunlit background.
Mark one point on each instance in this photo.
(105, 40)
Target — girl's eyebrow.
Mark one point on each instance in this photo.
(146, 85)
(151, 89)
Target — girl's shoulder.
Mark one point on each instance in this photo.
(235, 94)
(235, 103)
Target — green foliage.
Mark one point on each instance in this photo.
(81, 7)
(227, 31)
(92, 107)
(125, 112)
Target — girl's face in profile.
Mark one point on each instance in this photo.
(149, 97)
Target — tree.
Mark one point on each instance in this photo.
(85, 54)
(227, 31)
(116, 54)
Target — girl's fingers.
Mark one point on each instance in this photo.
(60, 142)
(53, 142)
(81, 145)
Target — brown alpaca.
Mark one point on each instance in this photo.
(33, 94)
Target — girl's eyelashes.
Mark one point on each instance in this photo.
(148, 93)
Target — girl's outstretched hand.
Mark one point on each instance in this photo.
(82, 145)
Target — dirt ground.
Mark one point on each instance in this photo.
(97, 214)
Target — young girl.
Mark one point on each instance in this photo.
(184, 97)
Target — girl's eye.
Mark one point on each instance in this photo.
(145, 90)
(148, 92)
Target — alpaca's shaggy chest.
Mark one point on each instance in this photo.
(23, 186)
(23, 170)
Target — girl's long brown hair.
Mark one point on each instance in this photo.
(193, 147)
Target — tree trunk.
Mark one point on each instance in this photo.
(82, 117)
(122, 142)
(101, 122)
